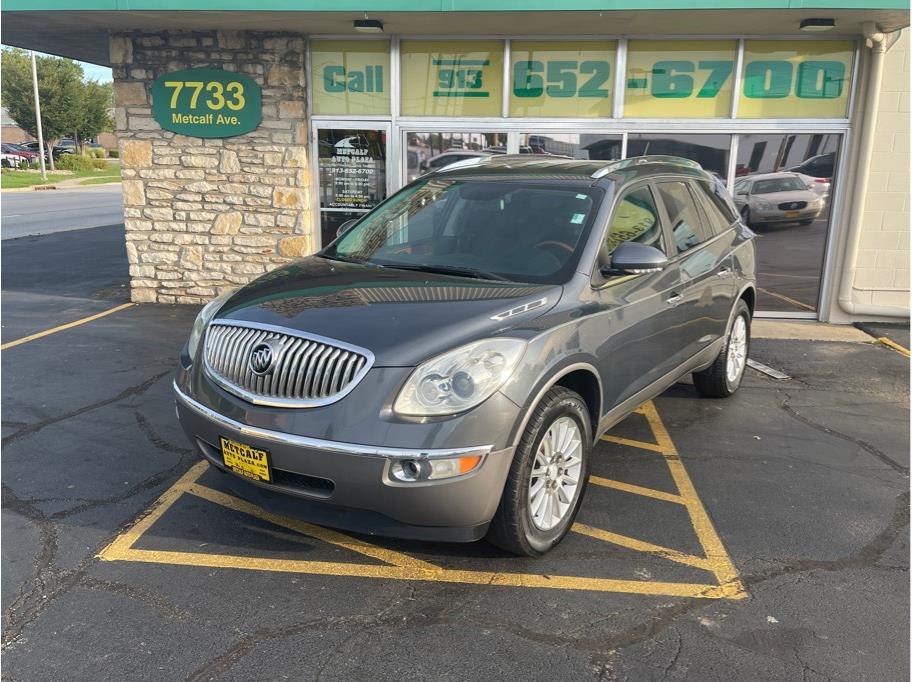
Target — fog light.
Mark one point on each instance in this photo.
(413, 470)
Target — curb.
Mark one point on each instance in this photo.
(41, 188)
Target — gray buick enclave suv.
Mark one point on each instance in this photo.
(443, 369)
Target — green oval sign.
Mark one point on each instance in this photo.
(207, 103)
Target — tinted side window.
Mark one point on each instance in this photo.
(635, 219)
(686, 221)
(715, 207)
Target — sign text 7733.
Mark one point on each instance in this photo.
(207, 102)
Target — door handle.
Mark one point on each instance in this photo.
(724, 272)
(674, 299)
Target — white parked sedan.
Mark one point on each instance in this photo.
(777, 198)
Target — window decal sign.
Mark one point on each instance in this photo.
(207, 103)
(451, 78)
(679, 78)
(350, 77)
(562, 79)
(796, 79)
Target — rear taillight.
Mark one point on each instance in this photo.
(821, 179)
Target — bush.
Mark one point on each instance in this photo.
(98, 153)
(99, 164)
(75, 162)
(114, 153)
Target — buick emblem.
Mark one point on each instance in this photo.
(263, 356)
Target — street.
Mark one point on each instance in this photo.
(43, 212)
(760, 537)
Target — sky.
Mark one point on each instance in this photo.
(93, 71)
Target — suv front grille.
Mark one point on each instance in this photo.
(306, 370)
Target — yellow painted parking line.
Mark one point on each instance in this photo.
(318, 532)
(635, 443)
(643, 546)
(636, 489)
(787, 299)
(126, 540)
(443, 575)
(890, 343)
(400, 566)
(721, 563)
(62, 327)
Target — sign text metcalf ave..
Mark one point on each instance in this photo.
(207, 103)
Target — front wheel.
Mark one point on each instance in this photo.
(548, 476)
(723, 377)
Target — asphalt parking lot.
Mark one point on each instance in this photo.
(763, 537)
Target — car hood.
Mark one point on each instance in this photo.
(791, 195)
(403, 317)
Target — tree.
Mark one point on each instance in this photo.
(93, 116)
(60, 88)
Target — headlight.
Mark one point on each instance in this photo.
(205, 316)
(764, 205)
(460, 379)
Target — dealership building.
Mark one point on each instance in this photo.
(250, 130)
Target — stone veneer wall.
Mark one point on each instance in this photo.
(205, 216)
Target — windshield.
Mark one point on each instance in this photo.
(511, 230)
(786, 184)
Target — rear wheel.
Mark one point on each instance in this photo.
(547, 478)
(723, 377)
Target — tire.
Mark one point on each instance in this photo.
(715, 381)
(516, 527)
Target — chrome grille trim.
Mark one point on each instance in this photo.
(309, 370)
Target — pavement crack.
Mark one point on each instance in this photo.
(129, 392)
(864, 445)
(47, 550)
(151, 481)
(164, 606)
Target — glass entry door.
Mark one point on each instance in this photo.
(352, 171)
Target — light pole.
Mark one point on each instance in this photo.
(38, 117)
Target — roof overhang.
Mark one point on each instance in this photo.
(79, 28)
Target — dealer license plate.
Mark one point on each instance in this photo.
(791, 214)
(245, 460)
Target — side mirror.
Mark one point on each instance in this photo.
(345, 227)
(632, 258)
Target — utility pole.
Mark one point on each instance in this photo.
(38, 117)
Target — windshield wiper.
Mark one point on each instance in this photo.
(457, 270)
(347, 259)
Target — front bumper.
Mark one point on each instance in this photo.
(346, 485)
(779, 216)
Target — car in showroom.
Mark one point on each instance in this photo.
(444, 368)
(777, 198)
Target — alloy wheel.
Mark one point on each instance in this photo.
(555, 474)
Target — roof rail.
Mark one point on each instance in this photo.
(465, 163)
(642, 160)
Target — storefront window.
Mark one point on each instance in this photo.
(562, 79)
(350, 77)
(796, 79)
(571, 145)
(710, 151)
(783, 190)
(679, 78)
(451, 78)
(352, 167)
(431, 151)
